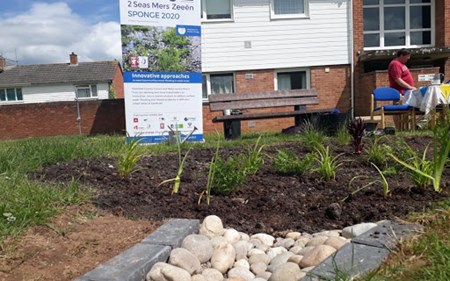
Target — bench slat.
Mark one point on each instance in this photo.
(263, 95)
(268, 115)
(263, 103)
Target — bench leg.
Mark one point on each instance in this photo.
(232, 129)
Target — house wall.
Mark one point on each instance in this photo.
(365, 83)
(117, 83)
(54, 93)
(333, 89)
(321, 39)
(59, 118)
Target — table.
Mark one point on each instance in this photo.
(427, 98)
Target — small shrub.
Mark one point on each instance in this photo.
(343, 136)
(286, 162)
(356, 130)
(228, 175)
(327, 164)
(376, 153)
(128, 159)
(255, 159)
(311, 135)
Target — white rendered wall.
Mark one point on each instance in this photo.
(321, 39)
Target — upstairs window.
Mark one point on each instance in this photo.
(86, 91)
(288, 8)
(214, 84)
(11, 95)
(217, 10)
(397, 23)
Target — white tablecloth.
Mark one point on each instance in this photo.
(433, 96)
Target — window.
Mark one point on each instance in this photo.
(292, 80)
(217, 9)
(288, 8)
(214, 84)
(397, 23)
(86, 91)
(11, 95)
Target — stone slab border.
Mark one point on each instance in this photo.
(362, 255)
(136, 262)
(365, 252)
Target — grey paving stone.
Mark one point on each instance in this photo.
(131, 265)
(387, 234)
(173, 232)
(365, 253)
(351, 260)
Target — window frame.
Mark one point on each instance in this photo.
(306, 70)
(86, 86)
(304, 15)
(208, 83)
(16, 100)
(204, 15)
(408, 30)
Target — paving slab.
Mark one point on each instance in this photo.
(173, 232)
(387, 234)
(136, 262)
(365, 252)
(131, 265)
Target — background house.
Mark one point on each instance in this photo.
(43, 83)
(39, 100)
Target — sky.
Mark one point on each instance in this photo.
(47, 31)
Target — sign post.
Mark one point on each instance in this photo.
(161, 58)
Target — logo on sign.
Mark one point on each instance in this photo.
(135, 120)
(134, 62)
(143, 62)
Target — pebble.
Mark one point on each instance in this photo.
(219, 254)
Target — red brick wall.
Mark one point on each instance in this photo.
(117, 83)
(333, 89)
(59, 118)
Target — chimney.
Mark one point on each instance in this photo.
(2, 63)
(73, 59)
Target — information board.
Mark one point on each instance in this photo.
(161, 59)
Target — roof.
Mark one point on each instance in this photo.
(35, 74)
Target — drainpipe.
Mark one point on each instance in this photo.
(352, 63)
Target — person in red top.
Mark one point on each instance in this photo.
(399, 76)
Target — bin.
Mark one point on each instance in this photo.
(232, 128)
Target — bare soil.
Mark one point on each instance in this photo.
(267, 202)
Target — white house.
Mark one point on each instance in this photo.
(42, 83)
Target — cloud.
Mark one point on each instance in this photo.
(48, 33)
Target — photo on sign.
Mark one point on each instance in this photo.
(159, 49)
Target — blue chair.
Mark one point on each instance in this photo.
(405, 112)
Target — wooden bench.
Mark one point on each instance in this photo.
(298, 99)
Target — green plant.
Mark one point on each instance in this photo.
(356, 129)
(228, 174)
(327, 164)
(441, 150)
(311, 135)
(343, 136)
(211, 173)
(254, 159)
(383, 181)
(289, 164)
(376, 153)
(128, 159)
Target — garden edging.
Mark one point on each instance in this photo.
(362, 255)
